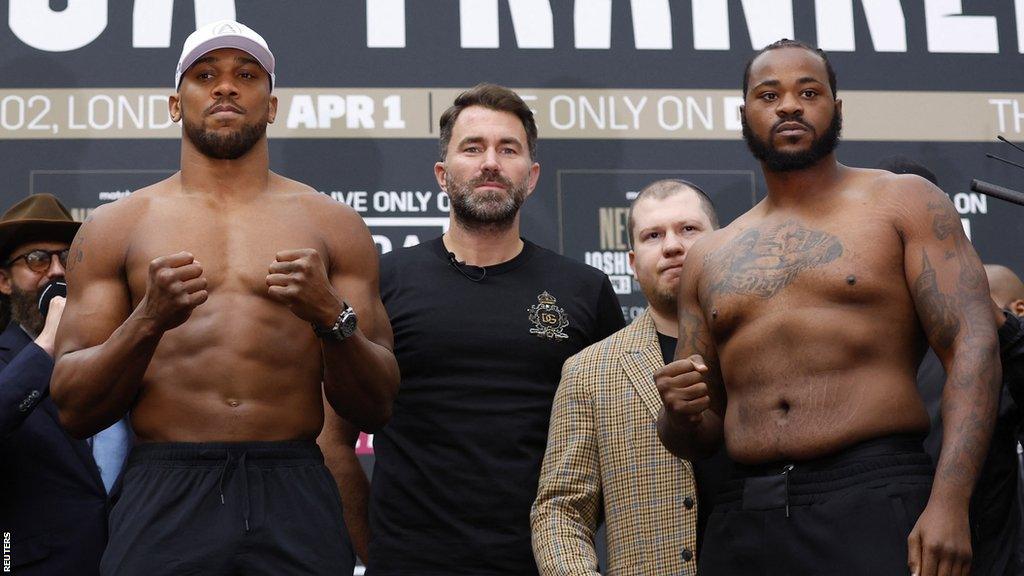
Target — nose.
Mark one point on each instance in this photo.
(790, 105)
(225, 86)
(672, 245)
(490, 161)
(56, 269)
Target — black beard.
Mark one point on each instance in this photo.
(775, 161)
(478, 214)
(230, 147)
(25, 311)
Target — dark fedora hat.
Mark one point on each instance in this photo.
(38, 218)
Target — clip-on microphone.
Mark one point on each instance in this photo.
(458, 266)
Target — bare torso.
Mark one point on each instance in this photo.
(243, 367)
(814, 325)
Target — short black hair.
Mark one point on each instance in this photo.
(660, 189)
(492, 97)
(787, 43)
(899, 164)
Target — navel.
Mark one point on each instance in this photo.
(851, 279)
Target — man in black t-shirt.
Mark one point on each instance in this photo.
(483, 322)
(604, 459)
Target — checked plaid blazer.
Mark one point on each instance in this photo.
(604, 460)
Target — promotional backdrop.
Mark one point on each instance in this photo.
(625, 92)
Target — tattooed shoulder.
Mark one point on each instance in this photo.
(78, 246)
(944, 222)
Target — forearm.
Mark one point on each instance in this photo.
(563, 534)
(360, 380)
(691, 442)
(969, 404)
(354, 489)
(94, 387)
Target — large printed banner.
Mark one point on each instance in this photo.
(625, 92)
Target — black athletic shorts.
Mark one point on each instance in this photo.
(215, 509)
(849, 513)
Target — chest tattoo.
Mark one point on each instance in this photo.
(761, 262)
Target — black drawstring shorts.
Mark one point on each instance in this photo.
(247, 508)
(848, 513)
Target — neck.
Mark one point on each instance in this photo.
(665, 321)
(241, 176)
(797, 186)
(483, 247)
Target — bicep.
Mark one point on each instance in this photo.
(944, 274)
(355, 275)
(694, 335)
(98, 300)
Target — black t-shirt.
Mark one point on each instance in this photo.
(456, 468)
(710, 474)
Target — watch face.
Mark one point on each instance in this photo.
(347, 326)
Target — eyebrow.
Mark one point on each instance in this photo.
(476, 139)
(238, 59)
(773, 82)
(683, 222)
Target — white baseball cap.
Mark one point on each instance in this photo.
(224, 34)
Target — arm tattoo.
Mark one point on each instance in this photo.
(77, 248)
(944, 223)
(958, 319)
(762, 263)
(693, 337)
(936, 310)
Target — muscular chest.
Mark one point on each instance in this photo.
(235, 244)
(788, 264)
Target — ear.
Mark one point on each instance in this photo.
(439, 175)
(632, 262)
(534, 177)
(1017, 306)
(273, 109)
(839, 105)
(174, 107)
(6, 282)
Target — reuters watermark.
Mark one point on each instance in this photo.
(7, 552)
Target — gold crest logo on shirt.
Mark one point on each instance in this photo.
(548, 320)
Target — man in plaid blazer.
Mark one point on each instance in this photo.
(603, 456)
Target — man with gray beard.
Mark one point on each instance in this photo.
(483, 321)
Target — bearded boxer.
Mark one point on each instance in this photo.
(804, 322)
(211, 306)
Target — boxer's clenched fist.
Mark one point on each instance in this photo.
(683, 390)
(175, 287)
(298, 279)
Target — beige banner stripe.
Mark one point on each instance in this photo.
(597, 114)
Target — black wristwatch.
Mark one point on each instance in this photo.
(343, 327)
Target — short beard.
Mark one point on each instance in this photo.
(230, 147)
(477, 213)
(25, 310)
(664, 302)
(776, 161)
